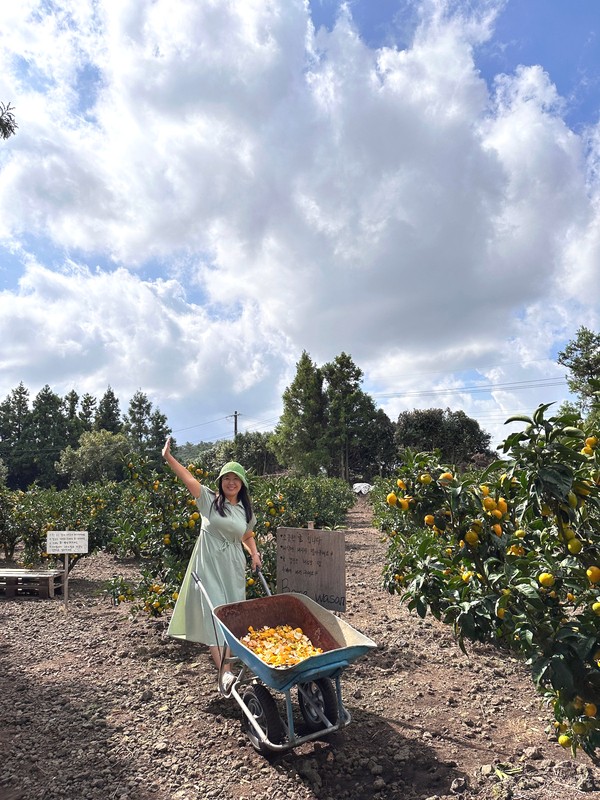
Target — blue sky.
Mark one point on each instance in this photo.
(561, 35)
(199, 192)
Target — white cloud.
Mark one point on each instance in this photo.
(300, 191)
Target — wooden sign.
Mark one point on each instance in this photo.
(65, 543)
(62, 542)
(312, 562)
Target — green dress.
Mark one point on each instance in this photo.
(219, 561)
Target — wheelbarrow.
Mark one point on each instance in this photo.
(315, 680)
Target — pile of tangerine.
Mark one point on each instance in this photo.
(281, 646)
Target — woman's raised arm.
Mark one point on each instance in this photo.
(185, 476)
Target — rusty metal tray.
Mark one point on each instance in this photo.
(340, 642)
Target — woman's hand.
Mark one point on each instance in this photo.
(256, 560)
(184, 475)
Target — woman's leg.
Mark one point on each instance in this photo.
(217, 656)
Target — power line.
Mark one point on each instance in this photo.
(200, 425)
(483, 388)
(541, 383)
(472, 369)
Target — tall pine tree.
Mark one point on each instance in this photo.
(299, 438)
(136, 422)
(158, 430)
(44, 436)
(14, 414)
(108, 415)
(345, 411)
(74, 426)
(87, 411)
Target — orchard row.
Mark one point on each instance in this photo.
(152, 518)
(510, 556)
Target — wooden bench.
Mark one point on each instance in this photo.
(20, 582)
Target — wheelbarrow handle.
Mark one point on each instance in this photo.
(261, 578)
(200, 585)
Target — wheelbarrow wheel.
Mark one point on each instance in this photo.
(263, 708)
(323, 695)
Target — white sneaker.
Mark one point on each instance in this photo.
(227, 681)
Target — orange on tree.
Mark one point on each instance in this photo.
(489, 503)
(425, 478)
(471, 537)
(392, 499)
(546, 579)
(429, 519)
(593, 574)
(572, 499)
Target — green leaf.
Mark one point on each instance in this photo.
(519, 418)
(561, 676)
(494, 467)
(538, 415)
(575, 432)
(421, 607)
(556, 479)
(513, 440)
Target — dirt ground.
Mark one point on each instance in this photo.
(98, 706)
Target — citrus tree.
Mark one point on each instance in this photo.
(29, 515)
(158, 523)
(151, 517)
(511, 556)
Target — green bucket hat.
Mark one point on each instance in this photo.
(237, 469)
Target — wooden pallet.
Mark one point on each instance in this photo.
(23, 582)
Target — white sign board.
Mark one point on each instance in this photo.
(312, 562)
(67, 542)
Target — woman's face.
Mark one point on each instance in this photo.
(231, 485)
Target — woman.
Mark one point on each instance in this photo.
(217, 558)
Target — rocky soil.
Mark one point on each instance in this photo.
(98, 706)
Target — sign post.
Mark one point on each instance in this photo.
(63, 543)
(312, 562)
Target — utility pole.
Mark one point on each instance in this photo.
(235, 416)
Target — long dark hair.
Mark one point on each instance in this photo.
(243, 498)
